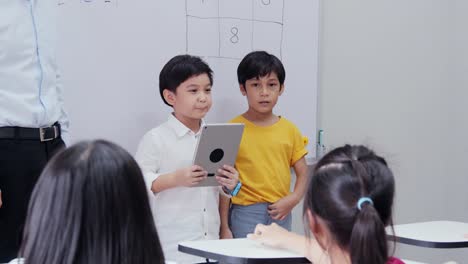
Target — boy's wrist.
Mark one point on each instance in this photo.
(236, 189)
(175, 178)
(295, 197)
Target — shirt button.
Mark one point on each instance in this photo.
(204, 209)
(205, 234)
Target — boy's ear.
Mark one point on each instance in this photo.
(242, 89)
(169, 97)
(281, 89)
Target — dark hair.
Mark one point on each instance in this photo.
(90, 205)
(259, 64)
(179, 69)
(340, 179)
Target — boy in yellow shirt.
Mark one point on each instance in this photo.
(270, 146)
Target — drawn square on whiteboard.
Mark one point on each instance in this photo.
(95, 3)
(110, 2)
(241, 9)
(202, 36)
(63, 2)
(235, 38)
(267, 36)
(202, 8)
(268, 10)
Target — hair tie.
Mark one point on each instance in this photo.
(364, 200)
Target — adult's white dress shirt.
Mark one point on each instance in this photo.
(182, 213)
(30, 85)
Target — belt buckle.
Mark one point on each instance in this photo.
(42, 132)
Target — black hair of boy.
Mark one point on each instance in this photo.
(259, 64)
(179, 69)
(90, 205)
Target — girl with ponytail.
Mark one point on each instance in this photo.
(347, 206)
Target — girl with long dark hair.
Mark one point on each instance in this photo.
(90, 205)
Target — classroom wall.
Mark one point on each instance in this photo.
(393, 76)
(459, 109)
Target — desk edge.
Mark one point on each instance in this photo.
(429, 244)
(240, 260)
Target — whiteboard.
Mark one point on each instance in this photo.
(111, 52)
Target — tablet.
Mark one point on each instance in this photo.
(217, 145)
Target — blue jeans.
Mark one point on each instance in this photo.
(244, 218)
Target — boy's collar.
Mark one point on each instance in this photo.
(179, 128)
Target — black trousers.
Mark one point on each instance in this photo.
(21, 163)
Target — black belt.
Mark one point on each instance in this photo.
(42, 134)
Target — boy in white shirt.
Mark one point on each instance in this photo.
(165, 155)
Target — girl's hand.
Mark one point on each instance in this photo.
(271, 235)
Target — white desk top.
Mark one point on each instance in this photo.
(436, 234)
(239, 251)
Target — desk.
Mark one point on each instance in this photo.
(436, 234)
(239, 251)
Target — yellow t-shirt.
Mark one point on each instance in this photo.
(265, 157)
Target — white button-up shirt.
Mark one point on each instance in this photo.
(182, 213)
(30, 86)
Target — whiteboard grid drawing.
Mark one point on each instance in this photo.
(231, 28)
(113, 3)
(110, 56)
